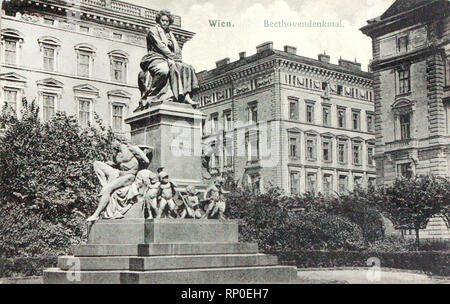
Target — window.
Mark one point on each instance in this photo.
(355, 120)
(341, 117)
(48, 106)
(357, 154)
(311, 148)
(342, 184)
(253, 114)
(293, 148)
(327, 151)
(11, 100)
(117, 116)
(357, 181)
(252, 146)
(228, 122)
(404, 84)
(405, 125)
(405, 170)
(294, 181)
(326, 115)
(342, 154)
(228, 152)
(293, 109)
(327, 184)
(311, 182)
(402, 44)
(370, 161)
(84, 115)
(370, 123)
(340, 89)
(310, 113)
(215, 123)
(49, 21)
(10, 52)
(49, 59)
(85, 59)
(119, 66)
(117, 36)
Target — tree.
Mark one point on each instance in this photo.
(411, 203)
(47, 184)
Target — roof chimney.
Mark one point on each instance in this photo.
(222, 62)
(290, 49)
(356, 66)
(264, 46)
(242, 55)
(324, 57)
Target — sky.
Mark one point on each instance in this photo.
(248, 18)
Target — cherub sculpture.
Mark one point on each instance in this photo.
(151, 196)
(166, 196)
(191, 207)
(214, 197)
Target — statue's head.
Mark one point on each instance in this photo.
(163, 177)
(164, 18)
(219, 181)
(191, 190)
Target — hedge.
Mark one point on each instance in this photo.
(25, 266)
(430, 262)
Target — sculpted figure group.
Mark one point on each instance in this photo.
(126, 180)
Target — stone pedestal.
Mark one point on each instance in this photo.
(174, 130)
(167, 251)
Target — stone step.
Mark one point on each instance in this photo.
(165, 262)
(140, 231)
(165, 249)
(259, 274)
(201, 261)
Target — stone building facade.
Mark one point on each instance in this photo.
(411, 55)
(411, 67)
(279, 119)
(81, 57)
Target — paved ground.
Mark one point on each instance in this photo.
(326, 276)
(364, 276)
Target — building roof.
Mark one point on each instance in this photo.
(401, 6)
(218, 71)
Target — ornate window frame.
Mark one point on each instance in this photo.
(85, 49)
(118, 98)
(119, 55)
(49, 86)
(53, 43)
(10, 34)
(403, 106)
(86, 92)
(13, 82)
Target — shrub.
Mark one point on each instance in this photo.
(47, 183)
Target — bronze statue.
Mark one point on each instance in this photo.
(164, 76)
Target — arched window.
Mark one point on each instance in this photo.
(119, 66)
(50, 48)
(85, 59)
(10, 44)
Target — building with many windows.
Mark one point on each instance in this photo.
(411, 55)
(81, 57)
(277, 118)
(411, 66)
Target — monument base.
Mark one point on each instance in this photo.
(139, 251)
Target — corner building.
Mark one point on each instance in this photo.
(411, 66)
(279, 119)
(81, 57)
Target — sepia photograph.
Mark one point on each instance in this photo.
(212, 144)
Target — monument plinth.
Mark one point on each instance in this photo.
(167, 251)
(174, 131)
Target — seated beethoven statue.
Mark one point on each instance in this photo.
(119, 173)
(164, 76)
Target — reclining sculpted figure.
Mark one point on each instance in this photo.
(164, 76)
(118, 173)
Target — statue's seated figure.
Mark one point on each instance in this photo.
(164, 76)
